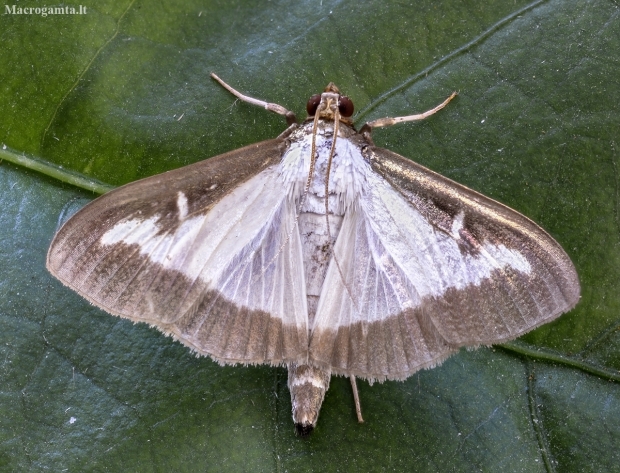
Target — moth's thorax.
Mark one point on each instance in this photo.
(347, 169)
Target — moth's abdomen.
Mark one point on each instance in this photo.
(308, 385)
(317, 246)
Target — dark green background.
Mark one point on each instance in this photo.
(123, 93)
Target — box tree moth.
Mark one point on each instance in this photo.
(319, 251)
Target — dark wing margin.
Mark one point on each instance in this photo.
(440, 200)
(504, 304)
(123, 282)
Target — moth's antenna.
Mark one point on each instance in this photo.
(332, 151)
(389, 121)
(315, 125)
(272, 107)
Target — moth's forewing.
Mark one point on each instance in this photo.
(431, 266)
(140, 252)
(554, 284)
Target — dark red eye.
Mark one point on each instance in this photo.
(345, 106)
(313, 103)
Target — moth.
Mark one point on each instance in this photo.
(319, 251)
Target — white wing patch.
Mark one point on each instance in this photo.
(237, 248)
(457, 225)
(132, 231)
(391, 258)
(182, 205)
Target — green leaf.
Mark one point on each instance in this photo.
(123, 92)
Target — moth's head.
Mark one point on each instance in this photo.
(330, 105)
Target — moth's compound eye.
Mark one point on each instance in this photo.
(345, 106)
(313, 104)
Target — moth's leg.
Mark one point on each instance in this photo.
(272, 107)
(356, 398)
(388, 121)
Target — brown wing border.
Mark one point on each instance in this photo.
(439, 199)
(503, 307)
(233, 334)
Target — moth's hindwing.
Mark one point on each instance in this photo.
(429, 266)
(185, 251)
